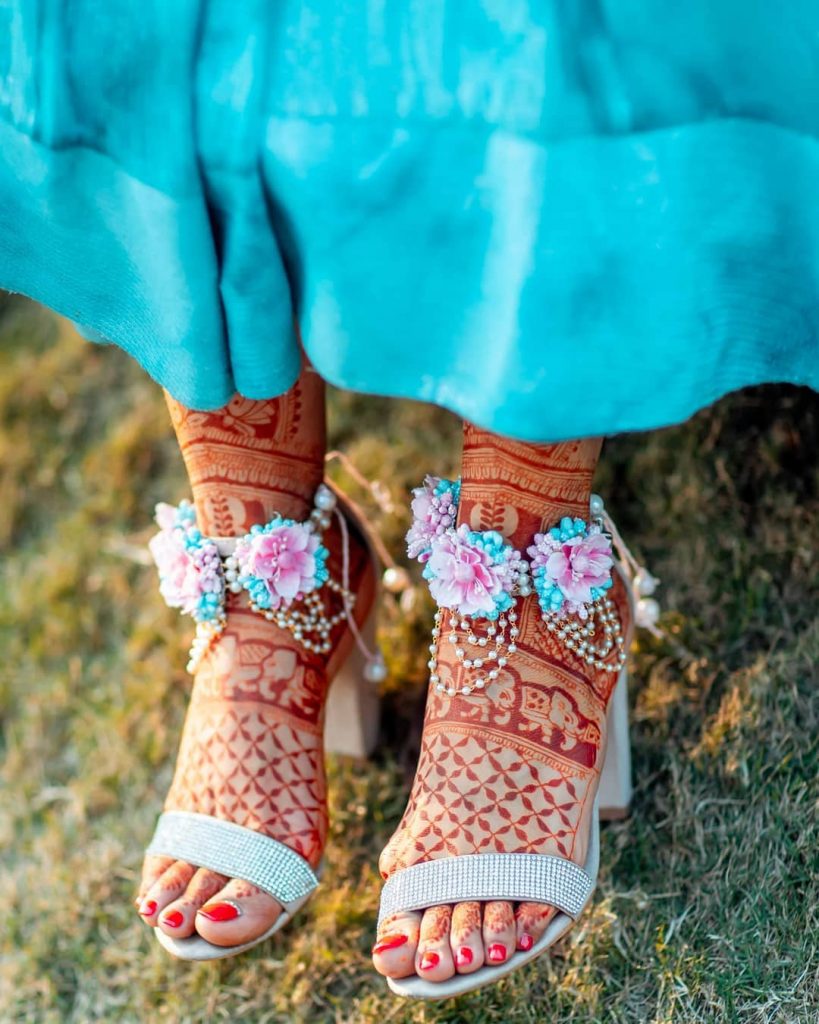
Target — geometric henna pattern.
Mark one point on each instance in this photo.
(251, 750)
(513, 768)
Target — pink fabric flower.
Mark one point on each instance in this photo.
(284, 559)
(431, 514)
(580, 564)
(462, 575)
(165, 516)
(180, 580)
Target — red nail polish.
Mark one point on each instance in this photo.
(429, 960)
(526, 942)
(389, 942)
(464, 956)
(148, 908)
(174, 919)
(220, 912)
(497, 952)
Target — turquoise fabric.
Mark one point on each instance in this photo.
(557, 219)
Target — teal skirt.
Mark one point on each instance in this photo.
(557, 219)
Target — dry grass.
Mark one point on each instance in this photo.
(707, 905)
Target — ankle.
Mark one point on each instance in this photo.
(229, 510)
(520, 489)
(252, 459)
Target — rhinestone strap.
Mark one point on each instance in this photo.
(518, 877)
(234, 851)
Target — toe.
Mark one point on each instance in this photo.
(530, 923)
(465, 938)
(433, 958)
(396, 945)
(168, 887)
(237, 913)
(152, 868)
(498, 932)
(179, 917)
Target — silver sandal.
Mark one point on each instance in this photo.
(351, 714)
(579, 624)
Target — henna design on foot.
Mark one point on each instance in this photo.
(251, 749)
(513, 768)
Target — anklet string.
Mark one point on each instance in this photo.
(480, 578)
(282, 566)
(395, 578)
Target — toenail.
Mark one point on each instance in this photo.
(220, 911)
(464, 956)
(497, 952)
(148, 908)
(429, 960)
(389, 942)
(526, 942)
(174, 919)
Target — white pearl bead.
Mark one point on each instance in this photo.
(325, 499)
(396, 579)
(647, 612)
(375, 671)
(645, 583)
(596, 505)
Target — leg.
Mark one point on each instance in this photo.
(516, 768)
(251, 750)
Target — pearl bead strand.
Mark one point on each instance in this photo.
(576, 635)
(308, 620)
(493, 648)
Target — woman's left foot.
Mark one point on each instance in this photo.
(512, 767)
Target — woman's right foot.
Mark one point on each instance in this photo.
(252, 750)
(252, 753)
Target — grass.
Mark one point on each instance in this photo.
(707, 903)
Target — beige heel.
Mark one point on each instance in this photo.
(614, 794)
(351, 715)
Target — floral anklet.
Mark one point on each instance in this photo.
(281, 564)
(480, 577)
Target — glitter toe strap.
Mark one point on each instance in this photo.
(235, 851)
(517, 877)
